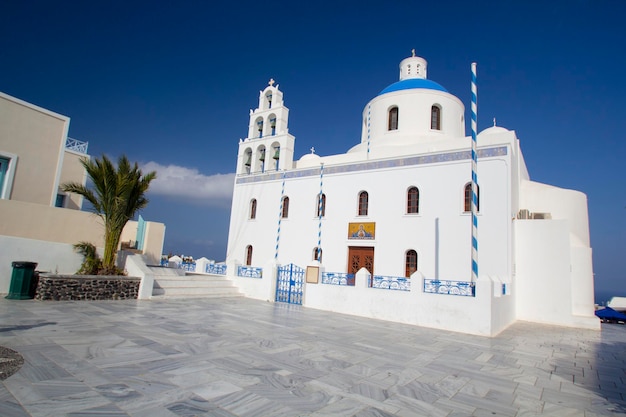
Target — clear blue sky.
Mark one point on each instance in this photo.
(170, 85)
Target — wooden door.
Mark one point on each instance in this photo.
(360, 257)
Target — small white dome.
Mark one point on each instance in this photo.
(310, 157)
(493, 130)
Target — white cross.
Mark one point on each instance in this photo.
(312, 149)
(413, 52)
(271, 83)
(494, 121)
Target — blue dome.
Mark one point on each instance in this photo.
(412, 83)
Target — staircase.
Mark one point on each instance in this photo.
(175, 283)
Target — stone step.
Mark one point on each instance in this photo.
(179, 292)
(164, 271)
(191, 283)
(193, 286)
(178, 296)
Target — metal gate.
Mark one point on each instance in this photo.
(289, 284)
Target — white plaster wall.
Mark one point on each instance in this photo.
(583, 302)
(414, 113)
(129, 233)
(441, 202)
(40, 222)
(37, 136)
(286, 143)
(135, 266)
(562, 204)
(447, 312)
(542, 262)
(503, 307)
(50, 257)
(257, 288)
(544, 275)
(73, 171)
(153, 239)
(153, 242)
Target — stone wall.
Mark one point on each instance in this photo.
(86, 287)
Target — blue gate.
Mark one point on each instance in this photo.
(289, 284)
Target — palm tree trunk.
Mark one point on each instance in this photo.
(111, 243)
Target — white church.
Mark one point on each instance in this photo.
(385, 230)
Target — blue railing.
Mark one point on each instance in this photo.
(217, 269)
(188, 266)
(76, 145)
(391, 283)
(338, 278)
(249, 271)
(463, 288)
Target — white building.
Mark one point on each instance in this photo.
(396, 206)
(40, 222)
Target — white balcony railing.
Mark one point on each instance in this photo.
(76, 145)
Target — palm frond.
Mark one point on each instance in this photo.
(117, 194)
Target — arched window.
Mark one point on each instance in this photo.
(249, 255)
(467, 206)
(363, 203)
(321, 205)
(393, 119)
(261, 158)
(259, 127)
(273, 125)
(413, 200)
(253, 208)
(410, 263)
(276, 155)
(317, 254)
(247, 160)
(268, 99)
(285, 211)
(435, 117)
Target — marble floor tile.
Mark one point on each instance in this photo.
(244, 358)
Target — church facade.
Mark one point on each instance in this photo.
(390, 221)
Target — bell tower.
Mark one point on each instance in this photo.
(269, 146)
(413, 67)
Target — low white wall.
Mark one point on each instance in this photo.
(257, 288)
(135, 265)
(503, 307)
(472, 315)
(447, 312)
(58, 258)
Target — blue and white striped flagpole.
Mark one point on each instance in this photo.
(320, 210)
(369, 109)
(280, 216)
(474, 202)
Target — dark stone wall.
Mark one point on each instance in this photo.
(86, 287)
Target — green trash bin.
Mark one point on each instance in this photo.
(22, 281)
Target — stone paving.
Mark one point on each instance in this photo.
(242, 357)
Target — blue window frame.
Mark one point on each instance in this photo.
(4, 167)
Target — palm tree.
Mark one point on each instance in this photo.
(116, 196)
